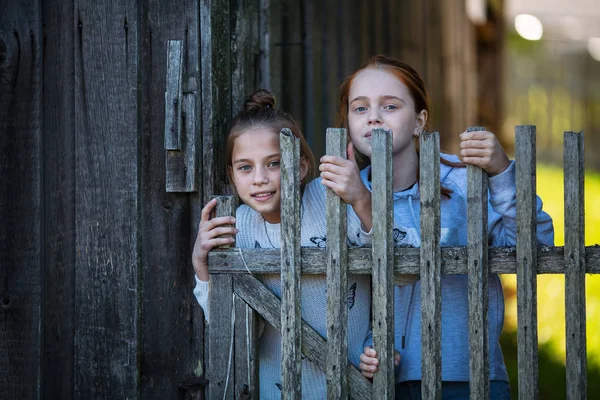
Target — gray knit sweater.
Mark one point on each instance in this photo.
(255, 232)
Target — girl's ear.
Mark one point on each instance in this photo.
(421, 121)
(303, 167)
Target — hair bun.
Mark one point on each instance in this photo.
(260, 99)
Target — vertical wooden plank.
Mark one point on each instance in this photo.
(173, 95)
(107, 292)
(216, 93)
(291, 317)
(575, 265)
(477, 215)
(383, 264)
(264, 78)
(526, 263)
(246, 351)
(337, 280)
(168, 224)
(59, 199)
(21, 229)
(221, 328)
(245, 43)
(431, 298)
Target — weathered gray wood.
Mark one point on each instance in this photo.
(477, 215)
(168, 227)
(526, 263)
(107, 201)
(58, 197)
(221, 363)
(264, 79)
(245, 44)
(266, 303)
(173, 95)
(575, 314)
(181, 165)
(431, 297)
(502, 260)
(383, 263)
(21, 226)
(246, 351)
(337, 279)
(291, 267)
(216, 93)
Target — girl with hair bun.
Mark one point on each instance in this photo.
(253, 158)
(389, 94)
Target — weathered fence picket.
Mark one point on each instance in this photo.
(526, 263)
(575, 266)
(291, 267)
(477, 217)
(220, 337)
(233, 287)
(431, 287)
(337, 279)
(383, 263)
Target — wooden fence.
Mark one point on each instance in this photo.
(237, 296)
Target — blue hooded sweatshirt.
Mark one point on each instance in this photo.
(502, 231)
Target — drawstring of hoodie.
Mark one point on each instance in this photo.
(408, 306)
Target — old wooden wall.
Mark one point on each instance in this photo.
(95, 273)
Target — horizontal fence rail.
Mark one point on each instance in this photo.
(232, 279)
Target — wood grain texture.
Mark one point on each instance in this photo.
(215, 51)
(59, 199)
(575, 314)
(107, 275)
(337, 279)
(383, 264)
(221, 364)
(526, 263)
(291, 267)
(266, 303)
(477, 216)
(21, 229)
(246, 351)
(172, 322)
(407, 261)
(431, 295)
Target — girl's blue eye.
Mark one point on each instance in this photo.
(391, 107)
(244, 168)
(360, 109)
(274, 164)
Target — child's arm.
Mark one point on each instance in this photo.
(481, 148)
(209, 231)
(343, 177)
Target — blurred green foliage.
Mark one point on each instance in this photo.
(551, 298)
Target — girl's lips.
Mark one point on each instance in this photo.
(262, 196)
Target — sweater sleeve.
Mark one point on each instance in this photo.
(201, 293)
(502, 212)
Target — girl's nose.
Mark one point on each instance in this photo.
(260, 177)
(374, 117)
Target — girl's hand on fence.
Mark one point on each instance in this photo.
(343, 177)
(369, 362)
(482, 149)
(209, 232)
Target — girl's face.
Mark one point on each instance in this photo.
(256, 172)
(378, 99)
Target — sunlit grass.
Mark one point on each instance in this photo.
(551, 296)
